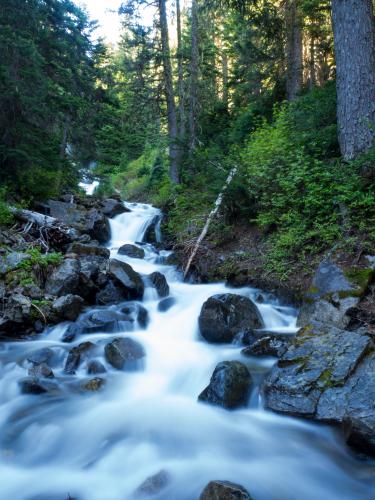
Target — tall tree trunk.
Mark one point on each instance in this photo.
(312, 75)
(354, 39)
(224, 65)
(194, 66)
(294, 58)
(181, 85)
(174, 149)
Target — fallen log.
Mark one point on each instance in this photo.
(211, 216)
(52, 232)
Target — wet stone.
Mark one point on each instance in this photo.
(159, 282)
(40, 356)
(95, 367)
(132, 251)
(42, 370)
(224, 490)
(166, 304)
(93, 384)
(74, 358)
(153, 485)
(124, 353)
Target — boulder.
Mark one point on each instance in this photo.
(97, 226)
(153, 485)
(223, 317)
(132, 251)
(31, 385)
(326, 374)
(334, 292)
(75, 356)
(165, 304)
(124, 353)
(130, 281)
(111, 293)
(64, 279)
(105, 320)
(95, 367)
(89, 249)
(42, 370)
(229, 386)
(224, 490)
(40, 356)
(18, 309)
(152, 232)
(111, 207)
(266, 346)
(12, 261)
(68, 307)
(159, 282)
(138, 313)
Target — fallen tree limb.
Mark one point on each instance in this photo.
(52, 232)
(211, 216)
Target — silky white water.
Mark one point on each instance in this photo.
(102, 446)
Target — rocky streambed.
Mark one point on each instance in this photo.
(119, 380)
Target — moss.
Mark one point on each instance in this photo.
(360, 278)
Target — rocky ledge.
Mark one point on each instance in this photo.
(328, 372)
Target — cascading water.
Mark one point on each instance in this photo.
(103, 445)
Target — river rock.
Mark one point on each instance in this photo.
(111, 293)
(40, 356)
(151, 234)
(132, 251)
(93, 384)
(159, 282)
(42, 370)
(136, 312)
(166, 304)
(89, 249)
(111, 207)
(153, 485)
(130, 281)
(266, 346)
(12, 261)
(327, 374)
(106, 320)
(124, 353)
(95, 367)
(64, 279)
(334, 292)
(229, 385)
(68, 307)
(223, 317)
(75, 356)
(224, 490)
(31, 385)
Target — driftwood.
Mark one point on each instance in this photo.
(52, 233)
(211, 216)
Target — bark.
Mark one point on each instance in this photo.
(312, 71)
(224, 64)
(194, 67)
(294, 57)
(174, 149)
(354, 39)
(181, 86)
(211, 216)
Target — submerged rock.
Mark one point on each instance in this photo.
(40, 356)
(95, 367)
(159, 282)
(165, 304)
(132, 251)
(130, 281)
(32, 385)
(42, 370)
(153, 485)
(75, 356)
(266, 346)
(225, 316)
(124, 353)
(224, 490)
(93, 384)
(151, 234)
(229, 385)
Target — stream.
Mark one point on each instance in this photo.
(102, 445)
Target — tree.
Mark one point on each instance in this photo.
(354, 40)
(294, 62)
(174, 149)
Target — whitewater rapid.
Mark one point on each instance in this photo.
(102, 446)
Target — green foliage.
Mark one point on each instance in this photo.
(39, 259)
(6, 217)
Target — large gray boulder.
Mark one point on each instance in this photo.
(132, 251)
(327, 374)
(229, 386)
(223, 317)
(333, 293)
(125, 276)
(68, 307)
(64, 279)
(111, 207)
(152, 234)
(224, 490)
(124, 353)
